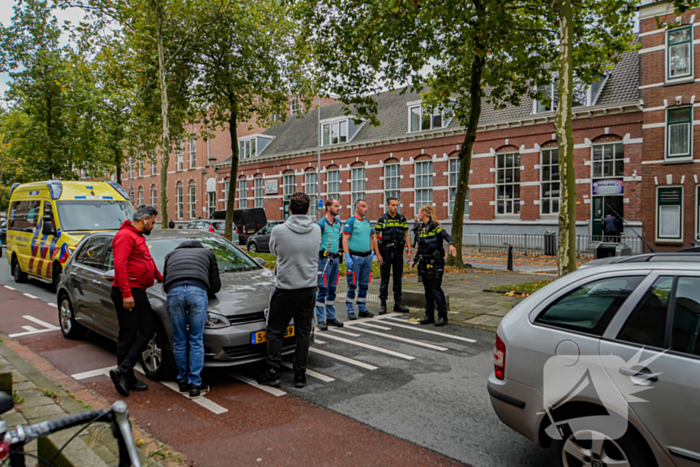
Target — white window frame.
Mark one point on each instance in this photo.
(333, 184)
(259, 192)
(247, 148)
(140, 169)
(242, 193)
(310, 188)
(338, 129)
(423, 184)
(689, 124)
(357, 184)
(688, 44)
(392, 181)
(549, 201)
(453, 178)
(193, 152)
(192, 189)
(294, 105)
(289, 185)
(511, 205)
(154, 167)
(140, 195)
(658, 225)
(180, 155)
(539, 107)
(154, 195)
(617, 156)
(180, 201)
(211, 203)
(421, 110)
(227, 187)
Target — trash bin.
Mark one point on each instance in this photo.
(605, 250)
(623, 250)
(550, 244)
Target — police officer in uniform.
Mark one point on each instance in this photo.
(392, 237)
(430, 258)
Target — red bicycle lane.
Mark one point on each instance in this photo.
(257, 429)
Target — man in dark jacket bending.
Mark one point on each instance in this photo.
(190, 275)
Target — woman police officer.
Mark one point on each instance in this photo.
(430, 258)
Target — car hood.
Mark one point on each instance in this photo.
(241, 292)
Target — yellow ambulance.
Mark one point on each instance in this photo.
(46, 220)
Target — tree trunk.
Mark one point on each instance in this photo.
(566, 255)
(233, 180)
(165, 149)
(465, 160)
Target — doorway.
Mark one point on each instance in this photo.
(602, 206)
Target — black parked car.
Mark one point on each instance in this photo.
(261, 240)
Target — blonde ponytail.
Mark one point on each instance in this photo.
(430, 212)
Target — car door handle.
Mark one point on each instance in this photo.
(644, 373)
(96, 283)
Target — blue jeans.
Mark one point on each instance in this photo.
(327, 282)
(359, 276)
(187, 305)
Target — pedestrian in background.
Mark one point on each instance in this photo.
(391, 240)
(357, 244)
(171, 224)
(328, 266)
(430, 258)
(190, 276)
(134, 272)
(295, 244)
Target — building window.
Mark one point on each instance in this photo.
(140, 192)
(669, 218)
(154, 166)
(335, 133)
(424, 184)
(247, 148)
(295, 105)
(549, 201)
(311, 189)
(242, 193)
(154, 195)
(180, 149)
(227, 186)
(357, 184)
(679, 130)
(508, 183)
(392, 181)
(454, 178)
(211, 200)
(680, 50)
(140, 169)
(131, 195)
(259, 192)
(289, 183)
(582, 95)
(333, 188)
(193, 200)
(180, 201)
(421, 119)
(193, 152)
(608, 160)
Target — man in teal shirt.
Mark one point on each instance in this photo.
(328, 266)
(357, 244)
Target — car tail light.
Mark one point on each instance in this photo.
(499, 358)
(211, 228)
(4, 450)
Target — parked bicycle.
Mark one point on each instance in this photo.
(12, 445)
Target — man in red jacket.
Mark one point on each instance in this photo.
(134, 272)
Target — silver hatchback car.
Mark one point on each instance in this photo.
(603, 365)
(234, 331)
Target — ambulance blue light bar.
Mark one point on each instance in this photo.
(55, 188)
(120, 189)
(14, 185)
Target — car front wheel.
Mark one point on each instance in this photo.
(596, 449)
(69, 326)
(156, 358)
(253, 248)
(17, 273)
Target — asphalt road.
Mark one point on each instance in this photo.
(430, 392)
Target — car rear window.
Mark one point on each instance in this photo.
(590, 307)
(218, 225)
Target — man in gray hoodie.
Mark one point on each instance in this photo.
(295, 244)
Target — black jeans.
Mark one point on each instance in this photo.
(434, 295)
(285, 305)
(393, 258)
(136, 328)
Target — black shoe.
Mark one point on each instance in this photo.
(352, 317)
(382, 307)
(323, 326)
(299, 381)
(441, 321)
(120, 382)
(427, 320)
(334, 322)
(136, 384)
(365, 314)
(199, 391)
(270, 378)
(399, 307)
(184, 387)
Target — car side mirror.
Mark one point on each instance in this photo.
(47, 226)
(260, 261)
(109, 275)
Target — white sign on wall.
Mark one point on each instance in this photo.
(271, 187)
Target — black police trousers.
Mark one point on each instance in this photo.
(434, 295)
(393, 258)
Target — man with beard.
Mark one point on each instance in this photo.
(134, 272)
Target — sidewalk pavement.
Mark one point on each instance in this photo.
(42, 393)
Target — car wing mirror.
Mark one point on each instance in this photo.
(260, 261)
(109, 275)
(47, 226)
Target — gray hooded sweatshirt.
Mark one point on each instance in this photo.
(296, 244)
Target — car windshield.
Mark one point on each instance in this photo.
(228, 257)
(89, 215)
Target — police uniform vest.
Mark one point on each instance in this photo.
(391, 231)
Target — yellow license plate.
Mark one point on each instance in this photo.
(261, 336)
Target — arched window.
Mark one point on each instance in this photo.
(179, 200)
(140, 198)
(508, 180)
(154, 195)
(193, 199)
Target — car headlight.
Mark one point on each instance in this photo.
(215, 320)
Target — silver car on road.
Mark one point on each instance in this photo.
(234, 332)
(603, 365)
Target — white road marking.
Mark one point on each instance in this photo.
(403, 339)
(269, 389)
(371, 320)
(427, 331)
(374, 326)
(52, 305)
(351, 361)
(372, 347)
(92, 373)
(30, 295)
(10, 288)
(316, 341)
(312, 373)
(345, 333)
(40, 322)
(32, 330)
